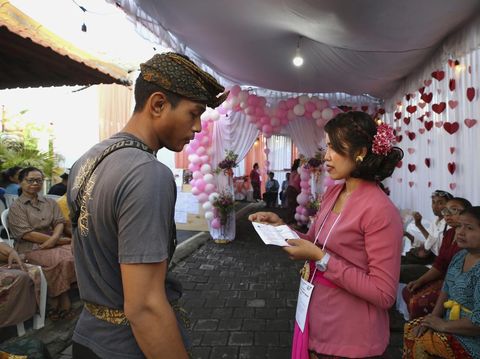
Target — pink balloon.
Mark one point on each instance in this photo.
(192, 167)
(201, 151)
(298, 209)
(235, 90)
(304, 211)
(215, 223)
(197, 175)
(259, 112)
(298, 216)
(252, 100)
(265, 120)
(321, 104)
(261, 101)
(310, 106)
(282, 105)
(209, 188)
(308, 115)
(291, 102)
(267, 128)
(195, 191)
(222, 111)
(250, 111)
(202, 197)
(200, 184)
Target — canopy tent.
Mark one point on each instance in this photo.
(32, 56)
(353, 47)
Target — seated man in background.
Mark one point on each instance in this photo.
(271, 194)
(426, 253)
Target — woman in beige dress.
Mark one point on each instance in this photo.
(37, 224)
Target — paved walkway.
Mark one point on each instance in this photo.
(241, 298)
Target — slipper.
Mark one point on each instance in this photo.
(67, 314)
(53, 314)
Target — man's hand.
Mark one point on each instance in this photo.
(301, 249)
(414, 285)
(266, 217)
(417, 217)
(434, 322)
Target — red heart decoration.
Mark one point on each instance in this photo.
(429, 184)
(399, 138)
(451, 127)
(428, 125)
(452, 104)
(399, 164)
(470, 69)
(381, 111)
(421, 90)
(438, 124)
(411, 150)
(439, 107)
(411, 136)
(411, 167)
(398, 128)
(452, 186)
(406, 120)
(427, 162)
(438, 75)
(422, 104)
(451, 167)
(411, 183)
(451, 84)
(421, 130)
(398, 115)
(364, 108)
(470, 122)
(427, 97)
(407, 96)
(421, 118)
(427, 113)
(471, 93)
(427, 82)
(411, 109)
(452, 149)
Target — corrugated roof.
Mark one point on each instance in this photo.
(33, 56)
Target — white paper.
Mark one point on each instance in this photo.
(304, 295)
(186, 202)
(180, 217)
(276, 235)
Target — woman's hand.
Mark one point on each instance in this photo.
(266, 217)
(301, 249)
(434, 322)
(14, 260)
(49, 243)
(419, 330)
(414, 285)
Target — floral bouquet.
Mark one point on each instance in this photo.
(313, 205)
(230, 160)
(224, 204)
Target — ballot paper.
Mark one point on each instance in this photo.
(276, 235)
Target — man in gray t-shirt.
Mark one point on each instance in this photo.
(123, 236)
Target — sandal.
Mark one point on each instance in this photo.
(67, 314)
(53, 314)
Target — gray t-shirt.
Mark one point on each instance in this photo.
(130, 211)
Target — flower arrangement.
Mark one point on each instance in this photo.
(384, 140)
(224, 204)
(313, 205)
(230, 160)
(314, 162)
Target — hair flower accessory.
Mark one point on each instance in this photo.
(384, 140)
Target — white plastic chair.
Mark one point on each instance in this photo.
(10, 198)
(38, 319)
(52, 196)
(4, 219)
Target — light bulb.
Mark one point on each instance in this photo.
(298, 60)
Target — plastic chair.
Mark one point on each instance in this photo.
(4, 219)
(10, 198)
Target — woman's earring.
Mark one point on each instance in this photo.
(359, 159)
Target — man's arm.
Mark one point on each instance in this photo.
(146, 306)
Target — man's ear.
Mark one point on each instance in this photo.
(157, 103)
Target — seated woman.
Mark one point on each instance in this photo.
(17, 291)
(421, 294)
(38, 226)
(453, 328)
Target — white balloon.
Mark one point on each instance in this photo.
(197, 175)
(208, 214)
(213, 196)
(208, 178)
(316, 114)
(327, 114)
(207, 206)
(206, 168)
(243, 95)
(204, 159)
(299, 110)
(200, 151)
(214, 115)
(303, 99)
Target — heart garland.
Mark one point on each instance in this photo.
(428, 125)
(438, 75)
(411, 167)
(471, 93)
(427, 162)
(411, 109)
(439, 107)
(452, 104)
(451, 127)
(451, 84)
(470, 122)
(451, 167)
(427, 97)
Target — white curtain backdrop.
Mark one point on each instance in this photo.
(280, 156)
(306, 135)
(234, 133)
(412, 189)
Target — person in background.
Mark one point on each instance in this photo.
(125, 234)
(353, 248)
(10, 180)
(452, 330)
(421, 293)
(37, 225)
(293, 190)
(283, 191)
(60, 188)
(255, 182)
(426, 253)
(271, 188)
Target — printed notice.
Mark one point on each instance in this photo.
(275, 235)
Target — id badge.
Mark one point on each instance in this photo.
(304, 295)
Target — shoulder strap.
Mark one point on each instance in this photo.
(124, 143)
